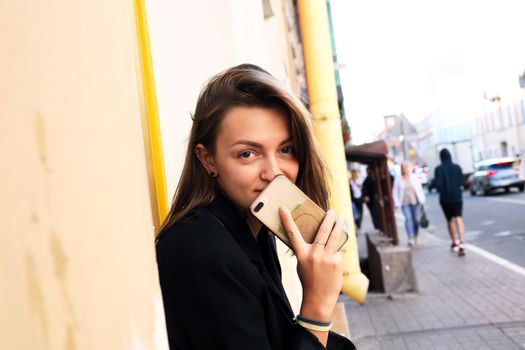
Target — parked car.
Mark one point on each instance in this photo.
(494, 174)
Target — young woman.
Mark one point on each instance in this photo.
(409, 195)
(218, 267)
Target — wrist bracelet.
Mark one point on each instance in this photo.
(313, 325)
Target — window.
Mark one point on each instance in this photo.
(267, 8)
(502, 165)
(510, 115)
(504, 149)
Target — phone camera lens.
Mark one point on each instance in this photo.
(258, 207)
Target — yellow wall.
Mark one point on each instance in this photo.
(77, 265)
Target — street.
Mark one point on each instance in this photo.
(495, 223)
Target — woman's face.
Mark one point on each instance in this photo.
(405, 170)
(253, 146)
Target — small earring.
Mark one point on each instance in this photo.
(212, 173)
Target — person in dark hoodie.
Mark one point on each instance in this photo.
(449, 179)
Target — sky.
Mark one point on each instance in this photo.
(421, 56)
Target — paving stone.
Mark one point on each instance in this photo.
(507, 347)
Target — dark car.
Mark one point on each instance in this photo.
(494, 174)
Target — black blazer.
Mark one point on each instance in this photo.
(222, 288)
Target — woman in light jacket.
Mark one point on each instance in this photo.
(409, 195)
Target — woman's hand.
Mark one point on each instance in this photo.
(319, 265)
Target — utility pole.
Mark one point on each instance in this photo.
(326, 120)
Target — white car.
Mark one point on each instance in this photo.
(496, 173)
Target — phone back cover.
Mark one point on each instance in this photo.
(306, 214)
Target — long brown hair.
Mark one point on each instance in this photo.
(249, 86)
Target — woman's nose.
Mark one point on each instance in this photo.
(271, 169)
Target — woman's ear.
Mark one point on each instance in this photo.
(206, 159)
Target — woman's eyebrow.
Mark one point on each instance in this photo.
(247, 143)
(288, 140)
(256, 144)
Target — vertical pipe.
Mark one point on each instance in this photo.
(313, 19)
(152, 136)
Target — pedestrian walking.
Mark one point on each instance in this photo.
(448, 179)
(219, 272)
(369, 195)
(356, 190)
(409, 196)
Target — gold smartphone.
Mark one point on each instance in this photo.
(306, 214)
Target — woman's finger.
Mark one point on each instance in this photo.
(332, 245)
(294, 236)
(325, 228)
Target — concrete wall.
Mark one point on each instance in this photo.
(77, 264)
(487, 133)
(503, 124)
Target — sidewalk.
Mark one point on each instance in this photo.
(463, 303)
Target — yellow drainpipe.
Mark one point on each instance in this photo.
(151, 125)
(322, 92)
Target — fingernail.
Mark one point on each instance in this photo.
(331, 212)
(285, 208)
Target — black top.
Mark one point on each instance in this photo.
(222, 287)
(369, 188)
(448, 178)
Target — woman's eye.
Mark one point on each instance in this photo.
(288, 150)
(246, 154)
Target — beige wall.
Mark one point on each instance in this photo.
(193, 40)
(77, 265)
(491, 133)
